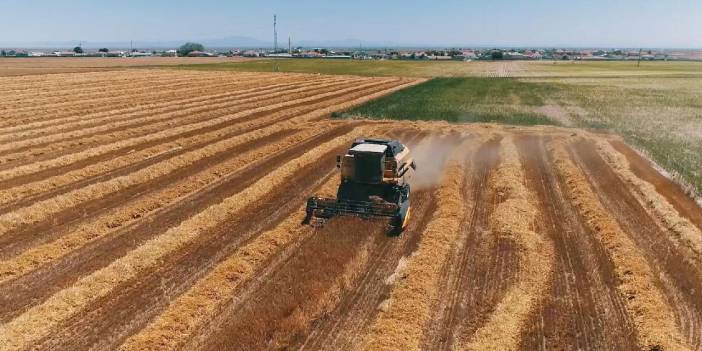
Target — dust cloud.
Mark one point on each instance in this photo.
(430, 156)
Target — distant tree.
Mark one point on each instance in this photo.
(3, 53)
(455, 52)
(497, 55)
(104, 50)
(187, 48)
(78, 50)
(11, 53)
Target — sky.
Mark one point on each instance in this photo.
(594, 23)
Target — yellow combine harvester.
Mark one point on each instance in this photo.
(375, 176)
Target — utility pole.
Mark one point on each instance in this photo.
(275, 34)
(275, 43)
(289, 45)
(638, 64)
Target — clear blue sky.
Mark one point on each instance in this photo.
(630, 23)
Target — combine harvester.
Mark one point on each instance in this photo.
(375, 176)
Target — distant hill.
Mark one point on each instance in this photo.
(227, 42)
(243, 42)
(234, 41)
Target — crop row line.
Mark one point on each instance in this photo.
(158, 120)
(320, 112)
(204, 300)
(77, 80)
(688, 236)
(514, 219)
(38, 321)
(34, 102)
(652, 316)
(50, 83)
(400, 324)
(44, 209)
(127, 99)
(296, 122)
(148, 205)
(34, 106)
(70, 158)
(28, 189)
(214, 91)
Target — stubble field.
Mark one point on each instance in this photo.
(654, 105)
(23, 66)
(161, 210)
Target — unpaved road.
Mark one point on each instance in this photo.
(168, 217)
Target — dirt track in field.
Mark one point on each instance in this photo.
(478, 270)
(583, 308)
(168, 217)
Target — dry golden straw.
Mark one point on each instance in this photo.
(400, 325)
(652, 316)
(38, 321)
(687, 235)
(70, 158)
(210, 111)
(513, 219)
(191, 311)
(15, 193)
(155, 112)
(141, 208)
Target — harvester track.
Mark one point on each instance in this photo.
(583, 309)
(680, 281)
(473, 267)
(344, 326)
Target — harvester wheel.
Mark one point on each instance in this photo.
(399, 223)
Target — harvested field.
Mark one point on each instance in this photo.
(168, 217)
(45, 65)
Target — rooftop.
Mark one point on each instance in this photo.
(374, 148)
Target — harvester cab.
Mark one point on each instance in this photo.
(375, 175)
